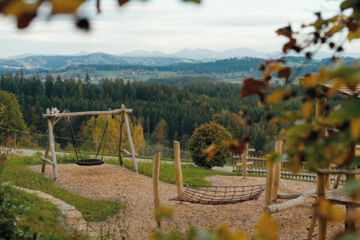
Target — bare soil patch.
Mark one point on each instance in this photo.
(110, 182)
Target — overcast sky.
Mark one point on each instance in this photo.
(165, 25)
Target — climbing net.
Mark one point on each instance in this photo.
(215, 195)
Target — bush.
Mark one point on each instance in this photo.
(10, 211)
(202, 138)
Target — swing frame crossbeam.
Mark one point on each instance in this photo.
(53, 118)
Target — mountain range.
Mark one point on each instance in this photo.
(139, 57)
(62, 61)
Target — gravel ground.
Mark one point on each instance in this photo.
(110, 182)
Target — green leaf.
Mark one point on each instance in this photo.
(348, 4)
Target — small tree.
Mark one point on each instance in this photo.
(202, 138)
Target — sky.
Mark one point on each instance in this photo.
(165, 25)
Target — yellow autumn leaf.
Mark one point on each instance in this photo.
(324, 209)
(307, 109)
(18, 7)
(163, 212)
(354, 35)
(272, 69)
(336, 28)
(224, 233)
(355, 128)
(277, 95)
(65, 6)
(310, 81)
(266, 228)
(194, 1)
(313, 79)
(336, 85)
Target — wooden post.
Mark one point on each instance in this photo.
(155, 176)
(46, 155)
(311, 228)
(52, 144)
(277, 171)
(121, 162)
(321, 182)
(178, 172)
(244, 156)
(130, 140)
(269, 184)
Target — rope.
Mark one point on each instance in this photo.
(74, 142)
(216, 195)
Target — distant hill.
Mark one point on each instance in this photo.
(205, 54)
(208, 55)
(60, 61)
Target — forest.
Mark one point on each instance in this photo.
(174, 110)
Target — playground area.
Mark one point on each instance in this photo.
(111, 182)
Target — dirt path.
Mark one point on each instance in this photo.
(109, 182)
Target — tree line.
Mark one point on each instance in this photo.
(166, 112)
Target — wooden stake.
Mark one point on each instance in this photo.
(46, 155)
(269, 184)
(244, 156)
(277, 171)
(311, 228)
(130, 139)
(155, 176)
(52, 144)
(321, 183)
(121, 162)
(178, 172)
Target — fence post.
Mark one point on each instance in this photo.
(155, 176)
(143, 146)
(178, 172)
(244, 156)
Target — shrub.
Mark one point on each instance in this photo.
(10, 211)
(202, 138)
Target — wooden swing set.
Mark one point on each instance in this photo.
(54, 116)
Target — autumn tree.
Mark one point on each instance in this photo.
(159, 134)
(12, 118)
(93, 130)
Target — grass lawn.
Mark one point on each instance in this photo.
(192, 175)
(41, 217)
(17, 173)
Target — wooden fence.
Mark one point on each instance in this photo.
(258, 167)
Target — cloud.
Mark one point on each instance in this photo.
(165, 25)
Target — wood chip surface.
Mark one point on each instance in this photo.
(110, 182)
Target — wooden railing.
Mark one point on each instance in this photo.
(258, 167)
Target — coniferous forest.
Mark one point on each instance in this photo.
(176, 108)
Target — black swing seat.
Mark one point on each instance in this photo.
(89, 162)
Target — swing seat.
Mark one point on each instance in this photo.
(89, 162)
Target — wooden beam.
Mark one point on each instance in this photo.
(132, 149)
(178, 172)
(288, 195)
(76, 114)
(155, 176)
(121, 162)
(52, 145)
(277, 171)
(291, 203)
